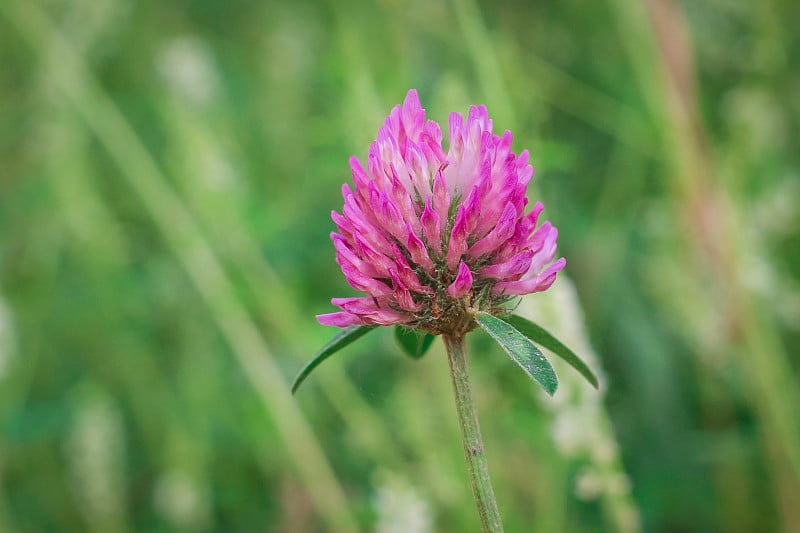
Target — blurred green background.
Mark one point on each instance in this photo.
(167, 170)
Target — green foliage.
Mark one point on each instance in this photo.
(414, 344)
(164, 216)
(343, 338)
(537, 333)
(521, 350)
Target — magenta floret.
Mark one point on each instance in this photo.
(431, 236)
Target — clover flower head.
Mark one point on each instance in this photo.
(432, 236)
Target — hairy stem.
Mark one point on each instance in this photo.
(477, 467)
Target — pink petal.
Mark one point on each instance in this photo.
(387, 317)
(356, 304)
(368, 311)
(478, 118)
(458, 240)
(431, 225)
(341, 319)
(531, 218)
(392, 219)
(364, 283)
(402, 295)
(441, 196)
(546, 252)
(472, 209)
(346, 256)
(536, 241)
(412, 115)
(500, 234)
(368, 231)
(404, 204)
(379, 262)
(416, 248)
(514, 267)
(463, 282)
(418, 170)
(360, 177)
(342, 223)
(538, 283)
(456, 132)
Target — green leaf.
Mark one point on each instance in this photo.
(521, 350)
(414, 343)
(537, 333)
(342, 339)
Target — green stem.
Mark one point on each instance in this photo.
(477, 466)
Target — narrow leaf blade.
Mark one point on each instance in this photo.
(521, 350)
(342, 339)
(414, 343)
(537, 333)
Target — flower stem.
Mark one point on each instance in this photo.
(477, 467)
